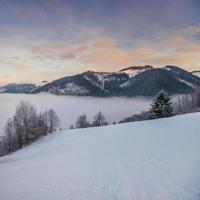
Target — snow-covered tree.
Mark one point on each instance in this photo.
(162, 105)
(99, 120)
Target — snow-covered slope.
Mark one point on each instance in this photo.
(196, 73)
(152, 160)
(135, 70)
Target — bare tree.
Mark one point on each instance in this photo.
(196, 98)
(1, 147)
(4, 149)
(53, 120)
(43, 123)
(7, 143)
(82, 122)
(9, 135)
(26, 127)
(99, 120)
(25, 122)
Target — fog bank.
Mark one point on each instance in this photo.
(69, 108)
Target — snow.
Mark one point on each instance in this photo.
(187, 83)
(197, 73)
(102, 77)
(126, 84)
(133, 72)
(96, 83)
(71, 88)
(151, 160)
(168, 68)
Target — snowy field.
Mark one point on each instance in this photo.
(69, 108)
(151, 160)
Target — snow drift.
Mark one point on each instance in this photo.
(152, 160)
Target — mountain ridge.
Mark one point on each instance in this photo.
(17, 88)
(130, 81)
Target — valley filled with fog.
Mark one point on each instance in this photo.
(68, 108)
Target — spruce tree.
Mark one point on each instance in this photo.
(162, 105)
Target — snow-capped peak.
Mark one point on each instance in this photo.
(135, 70)
(196, 73)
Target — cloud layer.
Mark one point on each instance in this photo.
(52, 39)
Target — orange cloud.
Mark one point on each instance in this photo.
(105, 42)
(178, 40)
(106, 54)
(193, 49)
(57, 51)
(185, 36)
(16, 63)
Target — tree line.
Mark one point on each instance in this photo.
(82, 122)
(26, 127)
(163, 106)
(188, 103)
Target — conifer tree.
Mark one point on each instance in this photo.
(162, 105)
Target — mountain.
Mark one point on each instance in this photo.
(196, 73)
(184, 76)
(132, 81)
(150, 82)
(156, 159)
(86, 84)
(17, 88)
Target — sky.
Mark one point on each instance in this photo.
(48, 39)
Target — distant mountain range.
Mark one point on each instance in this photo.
(132, 81)
(17, 88)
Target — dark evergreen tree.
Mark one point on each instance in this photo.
(162, 105)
